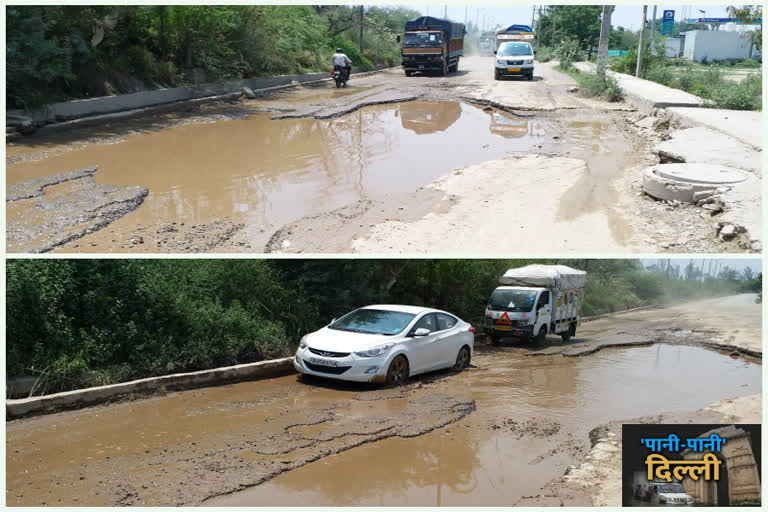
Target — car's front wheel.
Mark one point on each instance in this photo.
(398, 371)
(462, 360)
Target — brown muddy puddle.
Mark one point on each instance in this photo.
(532, 418)
(266, 173)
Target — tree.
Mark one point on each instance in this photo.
(580, 22)
(749, 13)
(747, 274)
(605, 32)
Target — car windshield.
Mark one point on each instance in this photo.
(373, 321)
(672, 489)
(512, 300)
(511, 50)
(423, 39)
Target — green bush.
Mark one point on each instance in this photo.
(745, 95)
(567, 53)
(544, 53)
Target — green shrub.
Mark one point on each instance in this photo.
(567, 53)
(745, 95)
(544, 53)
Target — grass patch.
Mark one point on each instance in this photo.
(606, 88)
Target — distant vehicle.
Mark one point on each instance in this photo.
(534, 301)
(432, 44)
(514, 59)
(516, 33)
(486, 44)
(386, 344)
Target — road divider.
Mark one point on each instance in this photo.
(175, 382)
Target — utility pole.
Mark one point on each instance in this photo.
(653, 27)
(361, 30)
(641, 45)
(445, 12)
(605, 33)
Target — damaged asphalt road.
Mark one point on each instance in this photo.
(353, 163)
(446, 438)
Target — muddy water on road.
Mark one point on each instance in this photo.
(357, 445)
(265, 173)
(533, 417)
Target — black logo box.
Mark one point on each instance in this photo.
(633, 452)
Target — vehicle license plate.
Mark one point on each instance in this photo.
(512, 70)
(322, 362)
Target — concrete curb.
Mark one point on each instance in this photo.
(595, 317)
(123, 105)
(178, 381)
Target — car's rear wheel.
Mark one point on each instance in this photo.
(462, 360)
(398, 371)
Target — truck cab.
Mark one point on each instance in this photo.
(432, 44)
(531, 313)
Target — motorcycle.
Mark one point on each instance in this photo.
(340, 77)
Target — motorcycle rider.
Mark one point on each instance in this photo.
(342, 62)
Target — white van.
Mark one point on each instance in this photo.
(514, 59)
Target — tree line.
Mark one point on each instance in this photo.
(58, 52)
(78, 323)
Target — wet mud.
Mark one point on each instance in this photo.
(534, 417)
(288, 442)
(45, 213)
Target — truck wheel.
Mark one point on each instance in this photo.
(530, 76)
(408, 73)
(542, 336)
(572, 330)
(566, 335)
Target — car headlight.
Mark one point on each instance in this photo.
(529, 61)
(375, 351)
(303, 342)
(501, 61)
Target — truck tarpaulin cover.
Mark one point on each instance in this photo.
(517, 28)
(546, 276)
(455, 30)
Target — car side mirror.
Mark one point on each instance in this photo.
(494, 52)
(421, 331)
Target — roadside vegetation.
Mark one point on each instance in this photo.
(706, 80)
(79, 323)
(59, 52)
(570, 34)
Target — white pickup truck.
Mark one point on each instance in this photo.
(534, 301)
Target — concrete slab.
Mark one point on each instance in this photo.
(689, 182)
(744, 125)
(705, 145)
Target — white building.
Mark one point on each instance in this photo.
(716, 45)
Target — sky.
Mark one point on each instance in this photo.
(737, 264)
(627, 16)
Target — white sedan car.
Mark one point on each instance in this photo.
(386, 344)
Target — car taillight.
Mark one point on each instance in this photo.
(472, 330)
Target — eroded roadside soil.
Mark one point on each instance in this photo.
(444, 439)
(372, 168)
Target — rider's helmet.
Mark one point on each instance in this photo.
(339, 50)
